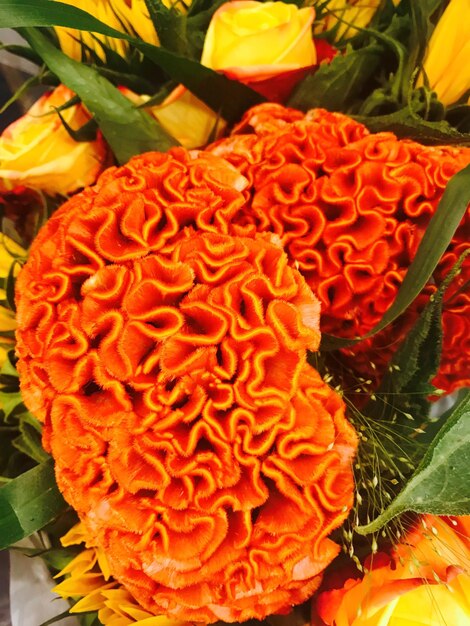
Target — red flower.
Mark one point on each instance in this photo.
(168, 361)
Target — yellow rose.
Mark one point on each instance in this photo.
(188, 119)
(37, 151)
(425, 581)
(252, 41)
(447, 62)
(184, 116)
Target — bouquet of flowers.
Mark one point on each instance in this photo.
(235, 271)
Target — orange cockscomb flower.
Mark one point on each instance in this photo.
(349, 207)
(168, 362)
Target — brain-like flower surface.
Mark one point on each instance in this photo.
(167, 360)
(349, 207)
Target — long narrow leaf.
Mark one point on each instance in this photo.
(28, 503)
(437, 237)
(128, 130)
(227, 97)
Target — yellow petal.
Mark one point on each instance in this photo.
(188, 119)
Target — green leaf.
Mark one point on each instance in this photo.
(10, 286)
(405, 387)
(28, 503)
(170, 25)
(228, 97)
(128, 130)
(421, 29)
(337, 83)
(87, 132)
(9, 401)
(43, 77)
(8, 367)
(441, 228)
(21, 51)
(29, 443)
(407, 124)
(441, 483)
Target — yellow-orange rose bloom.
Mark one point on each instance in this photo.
(38, 152)
(424, 582)
(253, 41)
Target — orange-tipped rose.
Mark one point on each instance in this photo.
(424, 582)
(38, 152)
(266, 45)
(168, 362)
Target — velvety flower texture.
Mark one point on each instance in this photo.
(167, 360)
(350, 209)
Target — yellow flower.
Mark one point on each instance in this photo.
(188, 119)
(127, 16)
(447, 62)
(425, 581)
(87, 579)
(349, 15)
(184, 116)
(256, 40)
(37, 151)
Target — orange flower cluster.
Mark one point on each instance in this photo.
(167, 360)
(350, 208)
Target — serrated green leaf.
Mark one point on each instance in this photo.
(407, 124)
(127, 130)
(336, 83)
(228, 97)
(441, 483)
(28, 503)
(441, 228)
(406, 384)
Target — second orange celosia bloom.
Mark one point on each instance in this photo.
(167, 360)
(350, 208)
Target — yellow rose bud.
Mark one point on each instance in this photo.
(38, 152)
(447, 62)
(425, 581)
(188, 119)
(255, 40)
(184, 116)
